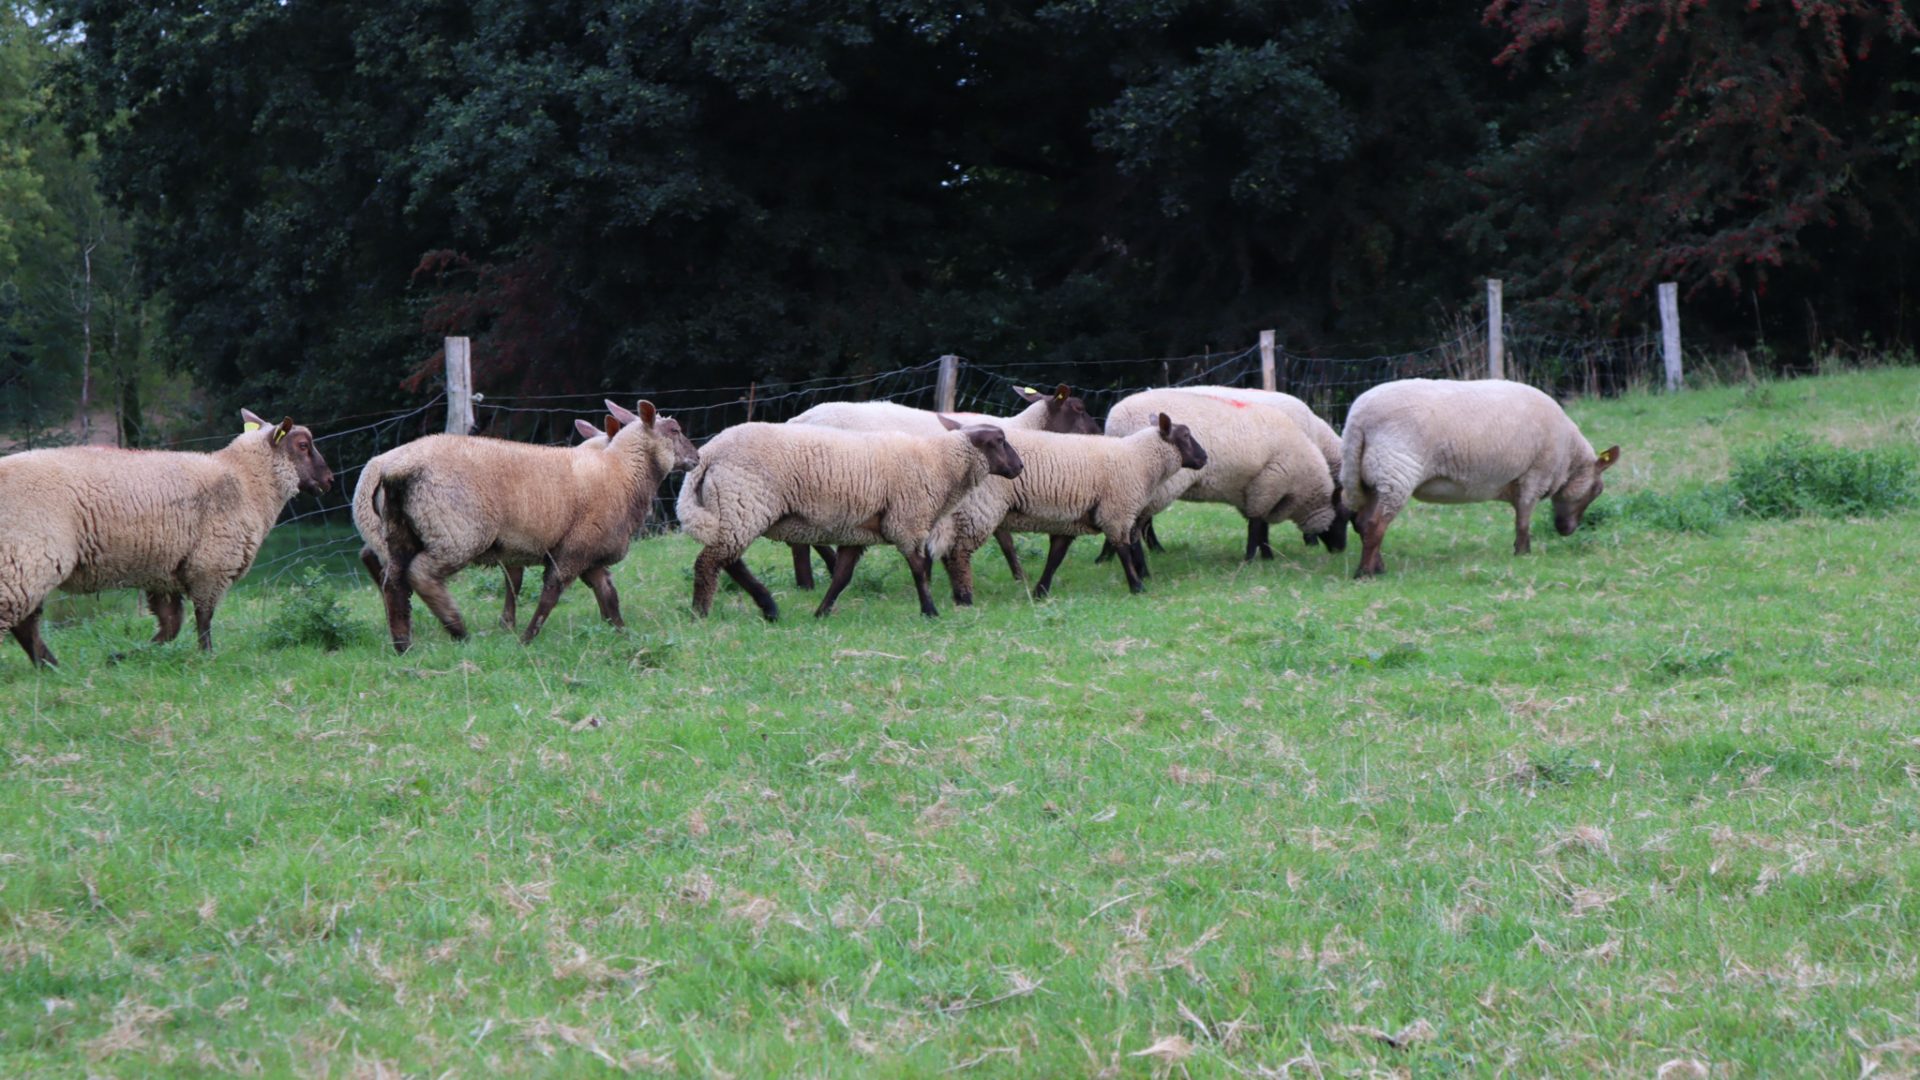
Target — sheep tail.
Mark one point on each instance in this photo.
(403, 541)
(1352, 452)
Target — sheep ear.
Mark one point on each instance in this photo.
(647, 412)
(613, 427)
(625, 416)
(585, 428)
(1166, 425)
(286, 425)
(948, 422)
(250, 420)
(1608, 457)
(1062, 392)
(1027, 393)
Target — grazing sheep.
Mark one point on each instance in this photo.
(1258, 462)
(464, 499)
(1061, 411)
(1070, 486)
(1459, 442)
(805, 484)
(85, 519)
(373, 550)
(1314, 428)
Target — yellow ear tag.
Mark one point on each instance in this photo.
(277, 436)
(250, 426)
(1028, 390)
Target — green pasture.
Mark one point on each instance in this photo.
(1649, 795)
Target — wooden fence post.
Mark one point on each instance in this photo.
(1266, 361)
(1496, 333)
(949, 384)
(459, 352)
(1670, 332)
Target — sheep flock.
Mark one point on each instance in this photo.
(833, 481)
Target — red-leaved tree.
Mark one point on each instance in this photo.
(1689, 140)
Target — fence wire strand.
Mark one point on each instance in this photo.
(318, 531)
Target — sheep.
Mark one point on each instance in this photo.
(1258, 462)
(1061, 411)
(1310, 424)
(806, 484)
(87, 519)
(1071, 486)
(1458, 442)
(464, 499)
(373, 551)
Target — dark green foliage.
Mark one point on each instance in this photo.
(1702, 511)
(312, 615)
(1796, 477)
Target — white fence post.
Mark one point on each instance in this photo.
(1266, 361)
(459, 352)
(949, 384)
(1670, 332)
(1496, 336)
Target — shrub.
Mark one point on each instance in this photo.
(1796, 477)
(312, 615)
(1701, 511)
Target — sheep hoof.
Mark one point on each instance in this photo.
(401, 645)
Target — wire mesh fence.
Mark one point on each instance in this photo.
(318, 531)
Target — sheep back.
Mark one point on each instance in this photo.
(808, 484)
(1445, 441)
(1258, 460)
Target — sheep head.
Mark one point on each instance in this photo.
(1066, 414)
(664, 431)
(1180, 437)
(991, 442)
(1585, 485)
(294, 450)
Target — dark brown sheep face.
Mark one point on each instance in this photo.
(1336, 537)
(296, 445)
(1066, 414)
(1585, 485)
(1178, 436)
(993, 445)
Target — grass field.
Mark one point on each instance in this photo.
(1646, 796)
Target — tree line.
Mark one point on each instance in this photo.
(290, 202)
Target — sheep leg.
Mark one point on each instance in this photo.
(842, 573)
(803, 566)
(1140, 552)
(1004, 537)
(203, 605)
(706, 577)
(372, 562)
(1106, 552)
(166, 612)
(553, 582)
(600, 580)
(428, 579)
(1259, 537)
(744, 578)
(922, 566)
(399, 600)
(1373, 523)
(959, 566)
(510, 607)
(27, 633)
(1131, 559)
(1153, 542)
(1056, 554)
(828, 556)
(1522, 526)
